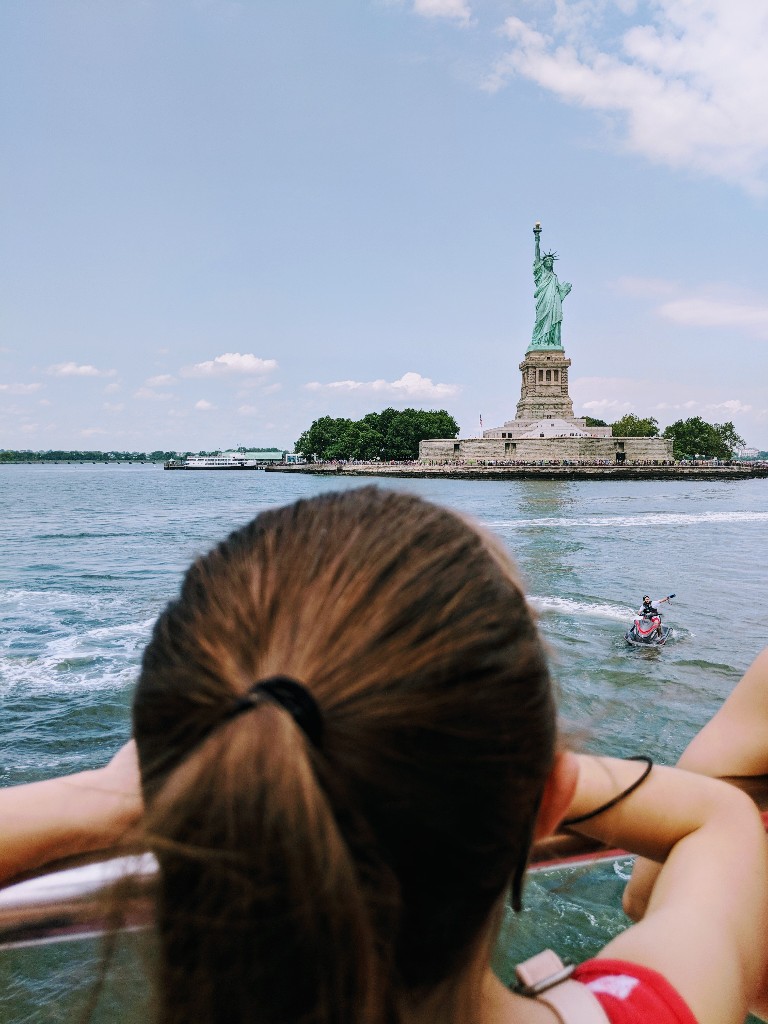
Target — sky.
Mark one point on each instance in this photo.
(221, 220)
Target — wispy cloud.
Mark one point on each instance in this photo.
(689, 86)
(409, 386)
(703, 312)
(20, 389)
(714, 305)
(204, 405)
(149, 394)
(160, 380)
(645, 286)
(454, 10)
(609, 398)
(732, 407)
(231, 363)
(79, 370)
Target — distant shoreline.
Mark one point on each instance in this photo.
(414, 471)
(741, 472)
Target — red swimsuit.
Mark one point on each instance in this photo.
(631, 994)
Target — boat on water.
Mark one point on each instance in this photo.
(258, 459)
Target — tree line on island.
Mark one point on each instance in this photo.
(692, 438)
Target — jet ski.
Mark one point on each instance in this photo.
(644, 631)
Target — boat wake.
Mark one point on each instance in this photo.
(623, 521)
(580, 609)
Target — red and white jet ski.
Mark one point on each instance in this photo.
(645, 632)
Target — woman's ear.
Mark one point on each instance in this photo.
(558, 793)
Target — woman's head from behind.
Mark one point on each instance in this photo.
(329, 883)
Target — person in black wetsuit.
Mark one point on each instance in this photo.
(650, 610)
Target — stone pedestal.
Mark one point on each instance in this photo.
(544, 389)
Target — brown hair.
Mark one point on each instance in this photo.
(333, 885)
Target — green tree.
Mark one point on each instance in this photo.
(635, 426)
(322, 438)
(695, 437)
(390, 434)
(408, 427)
(592, 422)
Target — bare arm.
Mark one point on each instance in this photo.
(44, 821)
(734, 742)
(710, 901)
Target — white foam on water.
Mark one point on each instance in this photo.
(34, 604)
(102, 658)
(580, 609)
(32, 676)
(657, 518)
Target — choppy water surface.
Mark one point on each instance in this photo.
(90, 554)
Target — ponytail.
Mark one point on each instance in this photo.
(263, 910)
(345, 885)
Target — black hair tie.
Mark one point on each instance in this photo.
(619, 796)
(293, 698)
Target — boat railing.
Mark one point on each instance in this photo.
(71, 900)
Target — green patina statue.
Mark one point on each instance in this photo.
(549, 297)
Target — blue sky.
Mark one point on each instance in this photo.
(220, 220)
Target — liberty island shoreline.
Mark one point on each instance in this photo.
(418, 470)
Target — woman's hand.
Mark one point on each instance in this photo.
(92, 810)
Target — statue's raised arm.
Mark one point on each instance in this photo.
(549, 295)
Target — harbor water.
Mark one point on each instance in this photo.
(89, 554)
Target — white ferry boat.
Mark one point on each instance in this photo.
(229, 460)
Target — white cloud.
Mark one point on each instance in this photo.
(456, 10)
(248, 410)
(732, 407)
(204, 405)
(20, 389)
(150, 394)
(606, 408)
(689, 84)
(159, 381)
(92, 431)
(410, 385)
(609, 398)
(703, 312)
(114, 406)
(231, 362)
(714, 305)
(77, 370)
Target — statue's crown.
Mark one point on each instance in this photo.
(550, 255)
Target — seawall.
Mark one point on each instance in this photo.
(420, 472)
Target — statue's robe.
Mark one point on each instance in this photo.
(549, 297)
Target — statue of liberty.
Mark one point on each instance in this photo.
(549, 297)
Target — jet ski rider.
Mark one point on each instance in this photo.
(650, 611)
